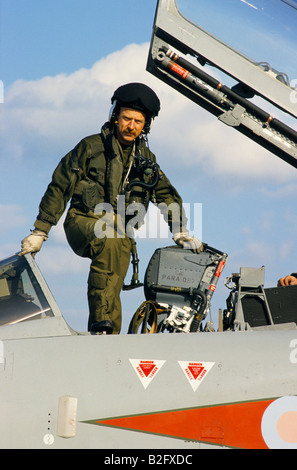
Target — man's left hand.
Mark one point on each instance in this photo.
(287, 281)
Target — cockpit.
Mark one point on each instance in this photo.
(178, 284)
(21, 297)
(24, 297)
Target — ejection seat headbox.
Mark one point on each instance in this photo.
(174, 274)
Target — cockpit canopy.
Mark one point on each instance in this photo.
(21, 297)
(25, 297)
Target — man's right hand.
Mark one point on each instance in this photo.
(33, 243)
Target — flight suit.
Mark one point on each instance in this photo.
(110, 261)
(93, 173)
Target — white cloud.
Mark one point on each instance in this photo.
(65, 108)
(71, 103)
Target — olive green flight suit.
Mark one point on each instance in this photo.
(110, 261)
(92, 173)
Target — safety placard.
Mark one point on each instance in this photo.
(195, 371)
(146, 369)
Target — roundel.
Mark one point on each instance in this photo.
(279, 423)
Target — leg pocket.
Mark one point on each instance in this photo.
(102, 293)
(79, 231)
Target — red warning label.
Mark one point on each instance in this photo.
(220, 268)
(146, 369)
(195, 371)
(179, 70)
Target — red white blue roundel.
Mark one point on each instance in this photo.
(279, 423)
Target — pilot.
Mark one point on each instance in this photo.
(94, 173)
(290, 280)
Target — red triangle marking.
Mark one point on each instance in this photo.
(147, 367)
(195, 370)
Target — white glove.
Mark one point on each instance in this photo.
(33, 243)
(186, 241)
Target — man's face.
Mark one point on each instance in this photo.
(130, 124)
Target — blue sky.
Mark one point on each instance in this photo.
(50, 37)
(60, 63)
